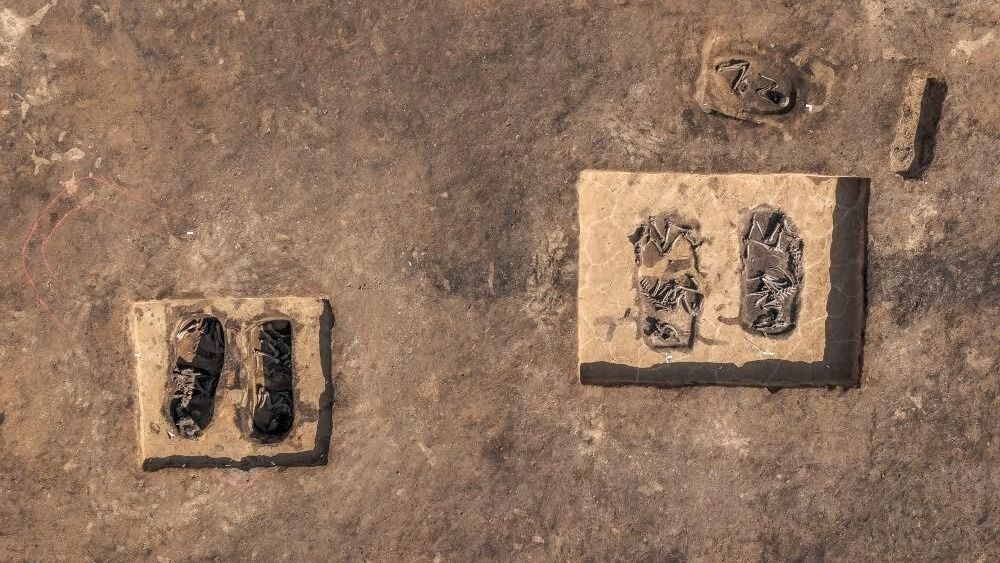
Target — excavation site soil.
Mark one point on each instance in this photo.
(415, 166)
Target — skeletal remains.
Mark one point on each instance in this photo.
(667, 280)
(669, 283)
(764, 87)
(273, 412)
(772, 273)
(200, 351)
(200, 355)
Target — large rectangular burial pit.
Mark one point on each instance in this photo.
(738, 279)
(233, 382)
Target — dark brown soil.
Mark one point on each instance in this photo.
(415, 162)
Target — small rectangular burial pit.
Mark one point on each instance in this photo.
(233, 382)
(739, 279)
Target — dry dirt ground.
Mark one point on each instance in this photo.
(415, 162)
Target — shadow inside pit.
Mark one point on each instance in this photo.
(931, 107)
(319, 455)
(846, 308)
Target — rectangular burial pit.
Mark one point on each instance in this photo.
(738, 279)
(233, 382)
